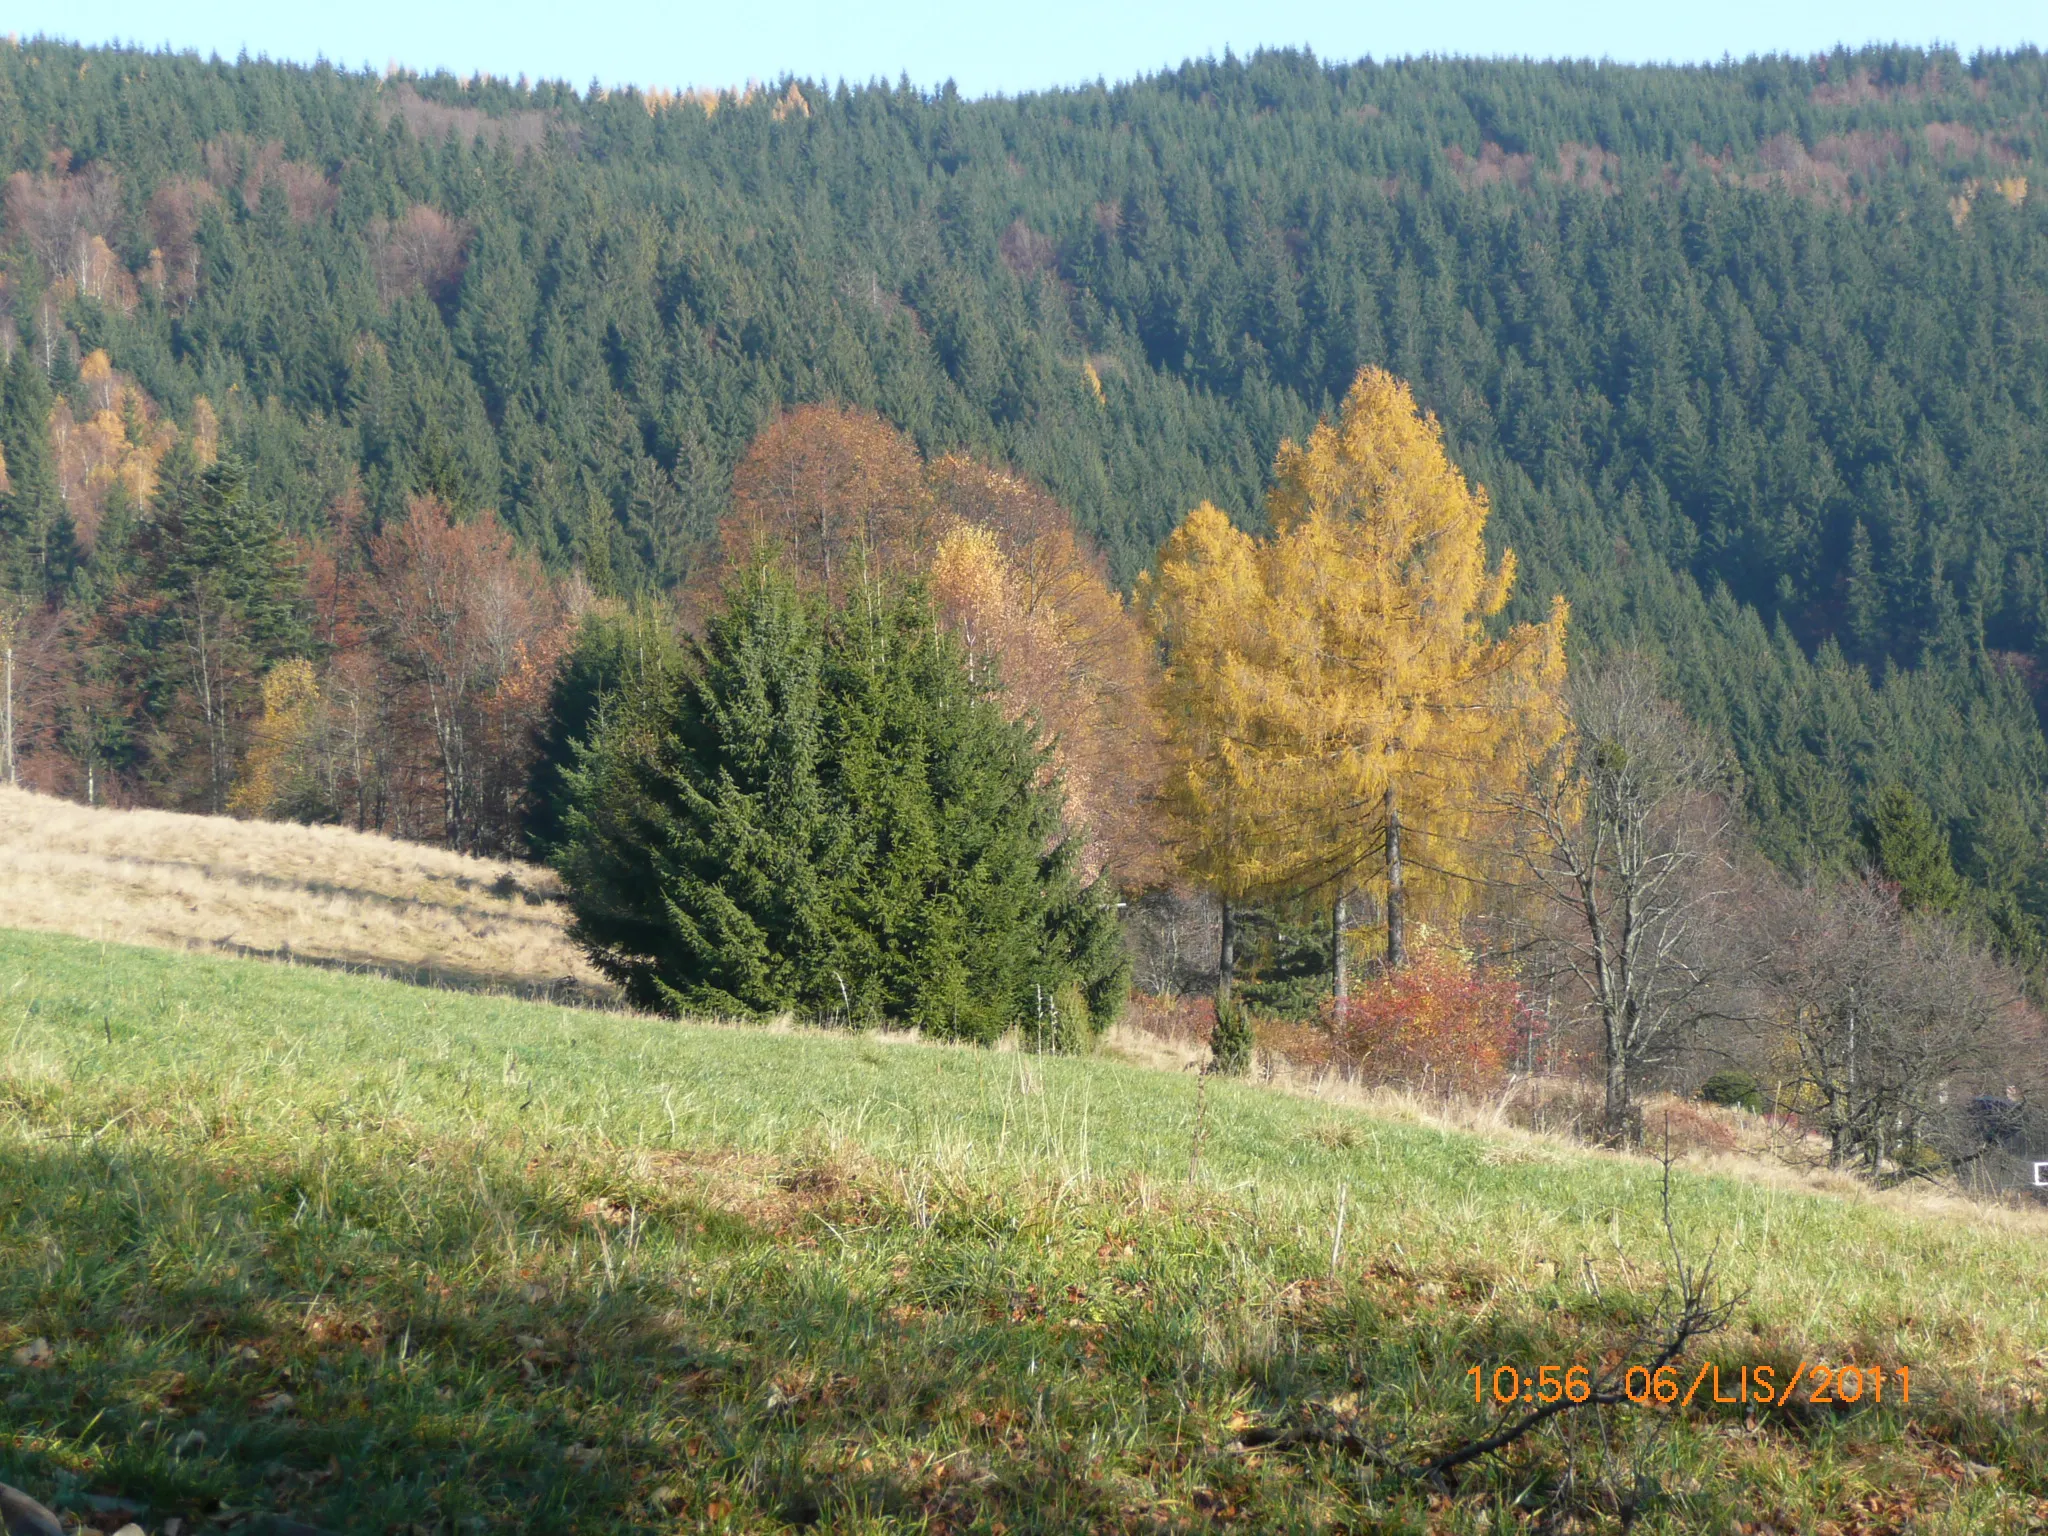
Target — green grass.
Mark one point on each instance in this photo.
(382, 1258)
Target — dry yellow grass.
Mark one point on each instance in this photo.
(311, 895)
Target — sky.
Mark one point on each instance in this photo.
(986, 48)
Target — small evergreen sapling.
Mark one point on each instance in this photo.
(1231, 1041)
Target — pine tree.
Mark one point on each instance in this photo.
(618, 652)
(215, 600)
(702, 847)
(1864, 596)
(1911, 851)
(1232, 1040)
(236, 548)
(37, 539)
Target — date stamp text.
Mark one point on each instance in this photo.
(1672, 1386)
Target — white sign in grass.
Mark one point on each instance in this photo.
(2041, 1175)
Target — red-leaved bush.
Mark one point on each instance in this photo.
(1438, 1022)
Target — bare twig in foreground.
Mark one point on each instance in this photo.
(1692, 1308)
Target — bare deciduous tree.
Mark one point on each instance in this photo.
(218, 677)
(1885, 1029)
(59, 214)
(1625, 828)
(176, 210)
(422, 250)
(837, 494)
(1174, 935)
(471, 628)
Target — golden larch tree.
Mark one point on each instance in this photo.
(1342, 712)
(1210, 609)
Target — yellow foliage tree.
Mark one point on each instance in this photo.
(1335, 687)
(119, 442)
(1207, 604)
(277, 754)
(1067, 652)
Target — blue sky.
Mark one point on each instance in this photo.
(987, 48)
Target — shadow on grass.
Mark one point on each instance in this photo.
(462, 1342)
(568, 991)
(453, 1335)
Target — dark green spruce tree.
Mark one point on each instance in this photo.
(820, 814)
(619, 651)
(214, 601)
(1912, 852)
(37, 539)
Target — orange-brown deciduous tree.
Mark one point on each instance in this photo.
(471, 629)
(835, 494)
(420, 250)
(59, 216)
(1028, 593)
(176, 208)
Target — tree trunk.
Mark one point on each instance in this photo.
(1623, 1126)
(1226, 957)
(1618, 1129)
(1397, 895)
(7, 723)
(1340, 967)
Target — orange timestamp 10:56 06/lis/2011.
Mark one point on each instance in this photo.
(1669, 1386)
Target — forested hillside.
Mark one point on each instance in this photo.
(1753, 360)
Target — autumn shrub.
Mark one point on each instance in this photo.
(1437, 1022)
(1686, 1127)
(1557, 1106)
(1176, 1017)
(1306, 1045)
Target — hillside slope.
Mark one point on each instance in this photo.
(278, 1240)
(1749, 356)
(320, 896)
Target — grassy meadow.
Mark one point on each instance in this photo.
(279, 1241)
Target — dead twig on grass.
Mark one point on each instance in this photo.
(1691, 1308)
